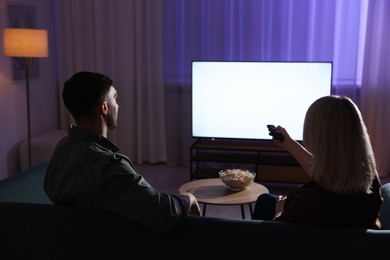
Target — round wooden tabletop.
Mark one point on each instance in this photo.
(213, 191)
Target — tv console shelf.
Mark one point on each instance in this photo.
(270, 162)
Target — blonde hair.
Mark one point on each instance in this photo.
(335, 133)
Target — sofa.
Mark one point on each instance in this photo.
(31, 227)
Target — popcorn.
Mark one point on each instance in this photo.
(237, 179)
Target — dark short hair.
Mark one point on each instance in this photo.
(83, 91)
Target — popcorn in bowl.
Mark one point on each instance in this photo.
(237, 179)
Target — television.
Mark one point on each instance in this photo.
(238, 99)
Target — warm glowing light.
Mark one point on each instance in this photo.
(26, 43)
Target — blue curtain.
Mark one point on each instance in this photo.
(256, 30)
(265, 30)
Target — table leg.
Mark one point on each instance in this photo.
(250, 209)
(242, 211)
(204, 209)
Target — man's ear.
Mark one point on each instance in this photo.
(103, 107)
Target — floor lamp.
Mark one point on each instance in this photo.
(27, 44)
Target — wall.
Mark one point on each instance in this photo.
(43, 92)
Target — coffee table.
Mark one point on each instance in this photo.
(213, 191)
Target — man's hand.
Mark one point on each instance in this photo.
(194, 208)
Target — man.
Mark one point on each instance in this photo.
(86, 171)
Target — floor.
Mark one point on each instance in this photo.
(168, 179)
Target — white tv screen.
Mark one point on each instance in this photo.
(238, 99)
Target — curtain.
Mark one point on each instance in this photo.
(124, 40)
(255, 30)
(376, 82)
(147, 48)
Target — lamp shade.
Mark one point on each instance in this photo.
(27, 43)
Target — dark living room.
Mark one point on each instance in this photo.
(149, 49)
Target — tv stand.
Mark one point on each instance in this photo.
(270, 162)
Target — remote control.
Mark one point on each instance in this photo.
(275, 133)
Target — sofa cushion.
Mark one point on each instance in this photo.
(26, 186)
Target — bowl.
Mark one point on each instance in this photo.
(237, 179)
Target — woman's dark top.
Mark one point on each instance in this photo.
(311, 204)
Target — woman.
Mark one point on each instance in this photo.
(344, 190)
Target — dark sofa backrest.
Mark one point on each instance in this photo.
(42, 231)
